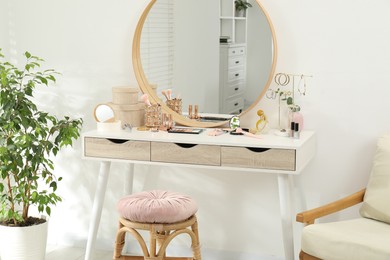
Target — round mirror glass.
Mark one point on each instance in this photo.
(104, 113)
(207, 54)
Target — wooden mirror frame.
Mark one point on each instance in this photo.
(146, 88)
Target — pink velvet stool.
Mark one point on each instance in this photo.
(165, 214)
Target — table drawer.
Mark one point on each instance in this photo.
(260, 158)
(236, 74)
(236, 51)
(234, 104)
(186, 153)
(234, 88)
(235, 61)
(117, 149)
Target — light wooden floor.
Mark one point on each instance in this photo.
(76, 253)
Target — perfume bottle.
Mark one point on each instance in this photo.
(295, 116)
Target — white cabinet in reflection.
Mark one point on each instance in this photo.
(232, 78)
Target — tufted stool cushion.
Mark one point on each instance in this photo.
(157, 207)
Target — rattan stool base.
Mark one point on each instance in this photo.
(160, 237)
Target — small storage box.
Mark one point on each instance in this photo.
(124, 95)
(133, 115)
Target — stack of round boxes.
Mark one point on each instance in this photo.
(128, 109)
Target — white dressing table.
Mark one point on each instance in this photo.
(272, 154)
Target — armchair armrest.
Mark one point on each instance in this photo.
(310, 216)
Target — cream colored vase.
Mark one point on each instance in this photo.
(23, 243)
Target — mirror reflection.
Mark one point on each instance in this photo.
(207, 54)
(104, 113)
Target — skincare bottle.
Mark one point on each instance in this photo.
(296, 130)
(190, 112)
(196, 116)
(292, 129)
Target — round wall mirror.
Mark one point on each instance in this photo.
(215, 58)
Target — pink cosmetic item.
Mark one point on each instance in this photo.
(239, 130)
(164, 92)
(217, 132)
(190, 112)
(169, 94)
(145, 99)
(196, 115)
(296, 116)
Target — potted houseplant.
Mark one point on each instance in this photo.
(241, 6)
(29, 138)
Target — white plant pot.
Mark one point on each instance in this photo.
(241, 13)
(23, 243)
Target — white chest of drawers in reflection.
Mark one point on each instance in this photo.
(232, 78)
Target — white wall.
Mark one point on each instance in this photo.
(343, 44)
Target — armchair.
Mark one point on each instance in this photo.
(363, 238)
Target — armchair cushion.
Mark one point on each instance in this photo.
(358, 239)
(376, 204)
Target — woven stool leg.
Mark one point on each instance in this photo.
(161, 237)
(119, 242)
(153, 242)
(196, 244)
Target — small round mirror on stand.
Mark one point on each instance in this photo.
(103, 113)
(212, 58)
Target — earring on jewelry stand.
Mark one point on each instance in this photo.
(270, 94)
(303, 91)
(282, 76)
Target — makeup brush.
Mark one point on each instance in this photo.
(239, 130)
(169, 94)
(145, 98)
(164, 92)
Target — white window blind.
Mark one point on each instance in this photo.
(157, 42)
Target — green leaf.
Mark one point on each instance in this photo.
(53, 185)
(48, 210)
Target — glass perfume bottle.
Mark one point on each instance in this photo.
(295, 116)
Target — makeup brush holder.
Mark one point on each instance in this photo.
(153, 116)
(175, 104)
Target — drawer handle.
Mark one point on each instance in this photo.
(117, 141)
(236, 104)
(235, 89)
(237, 62)
(237, 75)
(233, 51)
(257, 150)
(185, 145)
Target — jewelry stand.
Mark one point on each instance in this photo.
(283, 80)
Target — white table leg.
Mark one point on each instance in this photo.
(97, 207)
(300, 192)
(128, 189)
(129, 176)
(286, 215)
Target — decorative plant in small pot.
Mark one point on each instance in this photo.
(241, 6)
(29, 138)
